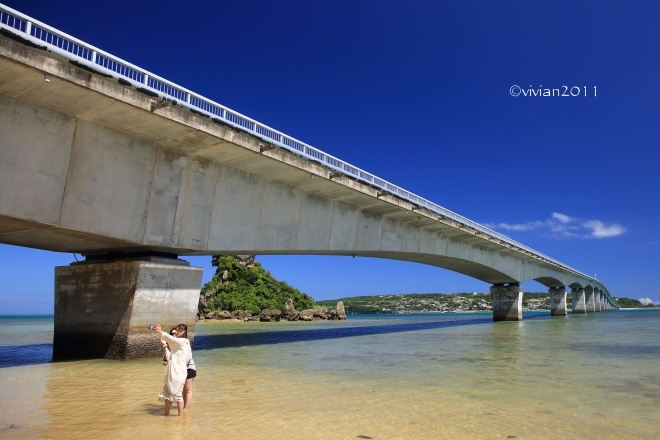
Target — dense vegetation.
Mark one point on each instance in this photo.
(627, 303)
(237, 286)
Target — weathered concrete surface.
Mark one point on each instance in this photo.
(558, 301)
(597, 303)
(589, 299)
(578, 301)
(102, 310)
(87, 167)
(507, 302)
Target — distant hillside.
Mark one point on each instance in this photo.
(432, 302)
(627, 303)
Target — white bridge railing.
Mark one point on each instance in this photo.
(18, 26)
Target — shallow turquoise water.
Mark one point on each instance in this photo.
(387, 376)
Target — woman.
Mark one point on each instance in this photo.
(176, 371)
(190, 377)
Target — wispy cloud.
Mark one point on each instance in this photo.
(565, 226)
(653, 243)
(646, 301)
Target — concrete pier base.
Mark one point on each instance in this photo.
(102, 309)
(507, 302)
(558, 301)
(589, 299)
(578, 301)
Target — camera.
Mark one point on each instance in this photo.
(151, 326)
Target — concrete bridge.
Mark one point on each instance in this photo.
(105, 159)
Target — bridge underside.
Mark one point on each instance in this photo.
(89, 166)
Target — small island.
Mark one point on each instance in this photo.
(242, 290)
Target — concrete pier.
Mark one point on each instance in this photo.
(578, 301)
(589, 299)
(102, 309)
(597, 305)
(507, 302)
(558, 301)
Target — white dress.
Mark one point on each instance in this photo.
(176, 371)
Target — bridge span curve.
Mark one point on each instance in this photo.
(104, 161)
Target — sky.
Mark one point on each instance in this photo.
(444, 99)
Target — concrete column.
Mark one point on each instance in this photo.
(578, 301)
(597, 303)
(102, 309)
(589, 299)
(557, 301)
(507, 302)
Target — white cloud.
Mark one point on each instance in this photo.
(601, 230)
(564, 226)
(562, 217)
(645, 301)
(653, 243)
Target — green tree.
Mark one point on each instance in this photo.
(238, 287)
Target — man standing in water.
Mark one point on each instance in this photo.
(176, 371)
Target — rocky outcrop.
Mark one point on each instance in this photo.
(341, 312)
(245, 260)
(321, 314)
(307, 315)
(268, 315)
(290, 314)
(223, 315)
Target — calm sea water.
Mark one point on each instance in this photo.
(383, 377)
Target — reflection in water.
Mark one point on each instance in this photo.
(444, 376)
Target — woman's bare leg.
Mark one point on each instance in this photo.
(187, 393)
(179, 407)
(168, 405)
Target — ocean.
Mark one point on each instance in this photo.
(372, 376)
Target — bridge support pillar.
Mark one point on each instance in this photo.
(557, 301)
(507, 302)
(589, 299)
(102, 309)
(578, 301)
(597, 304)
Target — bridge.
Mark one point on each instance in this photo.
(105, 159)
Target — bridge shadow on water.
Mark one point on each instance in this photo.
(210, 342)
(29, 354)
(34, 354)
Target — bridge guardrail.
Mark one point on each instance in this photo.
(15, 24)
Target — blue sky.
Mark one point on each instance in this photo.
(421, 94)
